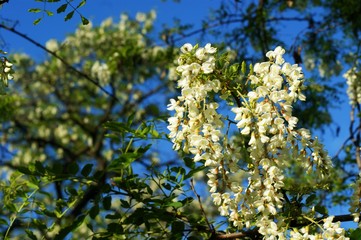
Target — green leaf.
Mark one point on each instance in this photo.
(30, 234)
(123, 161)
(187, 200)
(124, 204)
(62, 8)
(90, 227)
(3, 222)
(356, 234)
(86, 170)
(113, 216)
(71, 191)
(321, 209)
(34, 10)
(192, 238)
(24, 170)
(193, 171)
(234, 68)
(107, 202)
(49, 13)
(94, 211)
(81, 3)
(57, 168)
(251, 69)
(310, 199)
(69, 16)
(73, 168)
(118, 127)
(84, 20)
(39, 167)
(115, 228)
(32, 185)
(39, 224)
(66, 230)
(36, 21)
(175, 204)
(167, 186)
(189, 162)
(177, 227)
(244, 67)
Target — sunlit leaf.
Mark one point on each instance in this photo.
(34, 10)
(69, 16)
(62, 8)
(37, 21)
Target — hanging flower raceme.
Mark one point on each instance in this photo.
(353, 80)
(6, 72)
(252, 195)
(195, 128)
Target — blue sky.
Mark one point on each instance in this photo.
(189, 11)
(96, 11)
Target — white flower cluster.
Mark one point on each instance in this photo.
(265, 117)
(353, 80)
(5, 70)
(330, 231)
(196, 121)
(101, 72)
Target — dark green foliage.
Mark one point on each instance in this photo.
(61, 9)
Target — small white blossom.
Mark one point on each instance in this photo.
(186, 48)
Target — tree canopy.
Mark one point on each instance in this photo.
(123, 132)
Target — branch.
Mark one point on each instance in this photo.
(201, 207)
(200, 30)
(3, 1)
(253, 234)
(81, 74)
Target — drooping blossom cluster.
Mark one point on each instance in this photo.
(195, 127)
(353, 80)
(251, 195)
(330, 230)
(5, 71)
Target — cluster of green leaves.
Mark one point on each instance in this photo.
(80, 163)
(61, 9)
(126, 205)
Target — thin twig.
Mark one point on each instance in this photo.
(80, 73)
(201, 207)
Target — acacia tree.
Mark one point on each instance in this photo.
(77, 156)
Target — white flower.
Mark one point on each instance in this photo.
(8, 64)
(276, 55)
(186, 48)
(173, 104)
(52, 45)
(209, 49)
(217, 198)
(353, 81)
(201, 53)
(223, 210)
(101, 72)
(140, 17)
(208, 66)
